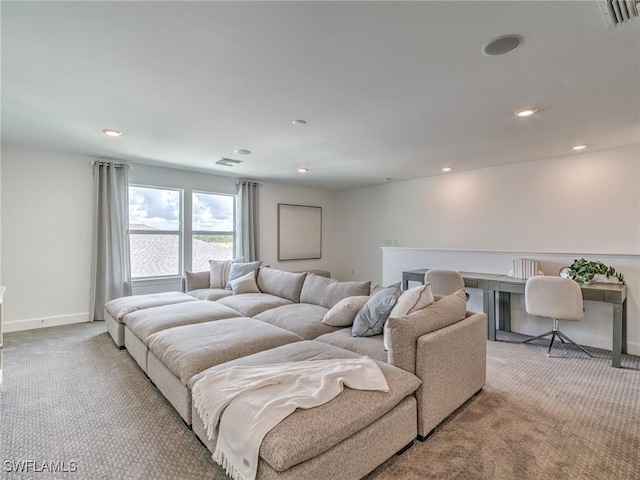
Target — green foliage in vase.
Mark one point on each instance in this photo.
(585, 271)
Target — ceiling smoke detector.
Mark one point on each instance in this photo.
(615, 12)
(228, 162)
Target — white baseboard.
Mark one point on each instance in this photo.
(44, 322)
(633, 348)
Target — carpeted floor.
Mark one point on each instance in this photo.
(71, 397)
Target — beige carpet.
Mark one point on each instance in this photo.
(563, 417)
(71, 395)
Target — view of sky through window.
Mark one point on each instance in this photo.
(212, 213)
(154, 208)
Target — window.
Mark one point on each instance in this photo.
(155, 236)
(213, 225)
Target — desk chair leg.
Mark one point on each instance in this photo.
(562, 335)
(553, 337)
(539, 336)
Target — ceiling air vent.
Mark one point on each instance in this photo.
(615, 12)
(228, 162)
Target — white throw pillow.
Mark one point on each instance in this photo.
(219, 272)
(410, 301)
(415, 298)
(343, 312)
(245, 284)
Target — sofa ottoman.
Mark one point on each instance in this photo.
(140, 325)
(343, 439)
(116, 309)
(177, 354)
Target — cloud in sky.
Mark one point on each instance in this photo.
(212, 212)
(160, 209)
(157, 208)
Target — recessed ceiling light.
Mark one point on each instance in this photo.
(302, 170)
(580, 147)
(242, 151)
(111, 132)
(526, 112)
(502, 45)
(446, 169)
(389, 179)
(299, 122)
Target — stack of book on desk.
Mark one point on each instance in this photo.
(524, 267)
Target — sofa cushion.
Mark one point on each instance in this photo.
(238, 270)
(343, 312)
(326, 292)
(369, 346)
(251, 304)
(280, 283)
(190, 349)
(145, 323)
(197, 280)
(306, 433)
(219, 272)
(370, 319)
(119, 307)
(404, 331)
(304, 319)
(210, 293)
(244, 284)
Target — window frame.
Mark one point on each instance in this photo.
(180, 232)
(233, 232)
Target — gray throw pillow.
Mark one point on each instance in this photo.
(241, 269)
(370, 319)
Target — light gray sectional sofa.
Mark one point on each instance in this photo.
(436, 361)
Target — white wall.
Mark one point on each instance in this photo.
(586, 204)
(46, 237)
(273, 193)
(270, 195)
(46, 201)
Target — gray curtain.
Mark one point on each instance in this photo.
(111, 264)
(248, 226)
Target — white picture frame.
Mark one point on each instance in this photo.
(299, 232)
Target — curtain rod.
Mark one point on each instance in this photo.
(257, 182)
(117, 165)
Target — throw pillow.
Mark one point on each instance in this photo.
(241, 269)
(370, 319)
(219, 272)
(376, 288)
(343, 312)
(413, 299)
(410, 301)
(245, 284)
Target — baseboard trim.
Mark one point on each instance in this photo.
(44, 322)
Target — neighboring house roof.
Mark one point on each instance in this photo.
(140, 226)
(157, 255)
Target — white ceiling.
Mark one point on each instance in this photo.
(389, 89)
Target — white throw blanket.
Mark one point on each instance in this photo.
(257, 398)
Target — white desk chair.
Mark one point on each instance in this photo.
(444, 282)
(557, 298)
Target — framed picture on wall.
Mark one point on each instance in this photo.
(299, 232)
